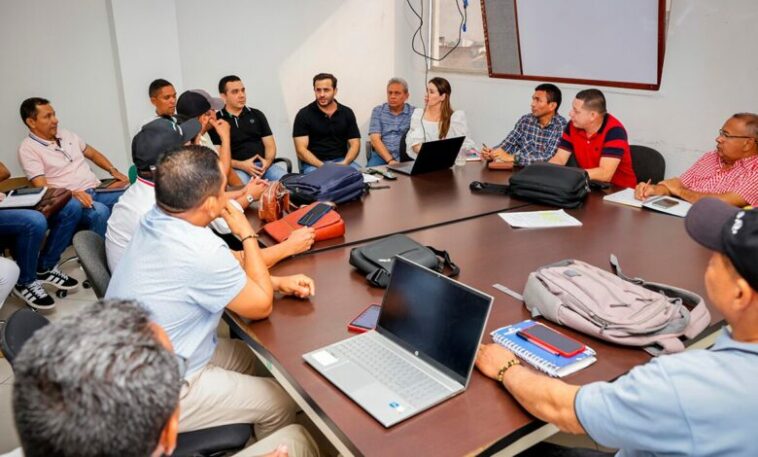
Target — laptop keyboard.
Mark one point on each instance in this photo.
(416, 387)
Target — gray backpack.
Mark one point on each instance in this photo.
(616, 308)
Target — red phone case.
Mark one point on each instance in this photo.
(355, 328)
(549, 347)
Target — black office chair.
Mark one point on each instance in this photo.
(287, 163)
(19, 327)
(648, 164)
(90, 247)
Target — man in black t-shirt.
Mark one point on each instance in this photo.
(326, 131)
(252, 143)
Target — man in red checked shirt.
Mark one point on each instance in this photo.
(730, 173)
(597, 141)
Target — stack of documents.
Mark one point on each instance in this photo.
(540, 219)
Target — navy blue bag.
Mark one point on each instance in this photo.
(331, 182)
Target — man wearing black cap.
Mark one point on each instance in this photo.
(698, 402)
(155, 138)
(200, 105)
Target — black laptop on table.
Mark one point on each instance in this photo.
(433, 156)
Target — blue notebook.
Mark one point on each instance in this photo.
(556, 366)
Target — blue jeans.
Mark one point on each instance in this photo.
(273, 173)
(96, 218)
(27, 227)
(306, 168)
(375, 159)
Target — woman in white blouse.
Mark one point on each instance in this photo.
(439, 120)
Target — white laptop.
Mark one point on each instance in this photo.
(422, 351)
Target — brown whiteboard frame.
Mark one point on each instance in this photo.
(588, 82)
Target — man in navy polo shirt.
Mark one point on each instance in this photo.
(695, 403)
(325, 130)
(252, 143)
(597, 141)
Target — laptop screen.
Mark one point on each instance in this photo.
(434, 317)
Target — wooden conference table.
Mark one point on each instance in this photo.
(416, 202)
(484, 419)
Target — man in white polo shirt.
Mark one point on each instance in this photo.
(56, 157)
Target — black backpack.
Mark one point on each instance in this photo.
(375, 259)
(330, 183)
(556, 185)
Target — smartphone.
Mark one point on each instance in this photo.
(551, 340)
(665, 203)
(314, 214)
(366, 320)
(106, 182)
(27, 191)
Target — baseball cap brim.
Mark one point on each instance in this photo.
(705, 221)
(189, 129)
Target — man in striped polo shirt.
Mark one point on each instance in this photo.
(597, 141)
(730, 173)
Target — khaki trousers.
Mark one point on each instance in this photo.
(299, 443)
(226, 392)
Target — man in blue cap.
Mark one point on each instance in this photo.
(699, 402)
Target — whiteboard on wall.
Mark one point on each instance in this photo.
(602, 42)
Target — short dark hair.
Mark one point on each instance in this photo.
(95, 383)
(156, 86)
(224, 81)
(751, 122)
(593, 99)
(552, 92)
(323, 76)
(29, 107)
(185, 177)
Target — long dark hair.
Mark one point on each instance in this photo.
(446, 111)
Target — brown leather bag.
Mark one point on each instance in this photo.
(53, 200)
(275, 202)
(329, 226)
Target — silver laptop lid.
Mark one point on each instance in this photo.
(439, 320)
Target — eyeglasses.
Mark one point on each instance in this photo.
(728, 136)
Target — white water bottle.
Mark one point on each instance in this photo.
(460, 160)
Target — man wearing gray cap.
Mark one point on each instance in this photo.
(698, 402)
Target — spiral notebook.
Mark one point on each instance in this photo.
(556, 366)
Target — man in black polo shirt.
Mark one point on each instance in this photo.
(326, 131)
(252, 143)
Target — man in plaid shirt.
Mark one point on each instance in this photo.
(730, 173)
(536, 135)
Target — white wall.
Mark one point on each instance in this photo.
(61, 51)
(277, 48)
(709, 74)
(148, 48)
(94, 64)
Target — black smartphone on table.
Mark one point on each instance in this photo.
(366, 320)
(551, 340)
(314, 214)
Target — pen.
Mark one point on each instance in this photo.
(644, 189)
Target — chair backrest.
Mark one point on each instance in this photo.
(648, 164)
(18, 329)
(90, 247)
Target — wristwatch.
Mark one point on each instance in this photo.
(249, 199)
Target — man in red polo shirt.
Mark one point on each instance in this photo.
(597, 141)
(730, 173)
